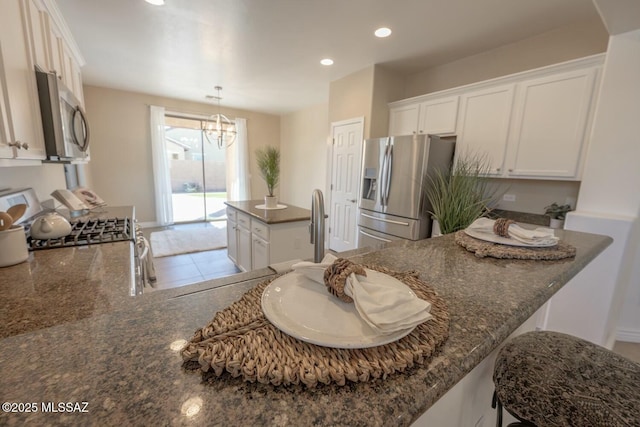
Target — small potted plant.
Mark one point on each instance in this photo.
(556, 214)
(268, 159)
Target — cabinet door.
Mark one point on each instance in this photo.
(260, 253)
(438, 116)
(37, 33)
(244, 249)
(232, 241)
(18, 75)
(550, 125)
(484, 124)
(6, 150)
(54, 48)
(403, 120)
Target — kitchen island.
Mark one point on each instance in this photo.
(126, 364)
(258, 237)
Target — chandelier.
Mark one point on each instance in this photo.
(219, 129)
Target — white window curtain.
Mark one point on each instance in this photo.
(237, 164)
(161, 172)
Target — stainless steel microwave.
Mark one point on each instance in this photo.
(66, 131)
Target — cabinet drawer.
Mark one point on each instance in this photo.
(260, 229)
(232, 215)
(244, 220)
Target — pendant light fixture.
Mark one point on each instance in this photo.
(219, 129)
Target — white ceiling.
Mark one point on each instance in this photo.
(266, 53)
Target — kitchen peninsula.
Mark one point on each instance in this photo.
(126, 364)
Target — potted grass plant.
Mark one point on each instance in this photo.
(556, 213)
(268, 160)
(461, 195)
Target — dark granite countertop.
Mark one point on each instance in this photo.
(126, 363)
(271, 216)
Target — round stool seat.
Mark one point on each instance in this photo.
(554, 379)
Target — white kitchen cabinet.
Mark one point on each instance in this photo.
(530, 125)
(244, 260)
(259, 253)
(21, 111)
(260, 244)
(483, 129)
(232, 239)
(550, 124)
(38, 32)
(436, 116)
(404, 120)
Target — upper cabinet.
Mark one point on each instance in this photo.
(32, 34)
(534, 124)
(550, 124)
(21, 111)
(484, 124)
(430, 117)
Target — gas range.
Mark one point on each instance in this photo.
(88, 231)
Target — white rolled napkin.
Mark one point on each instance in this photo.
(384, 306)
(539, 236)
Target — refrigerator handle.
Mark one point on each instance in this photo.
(383, 175)
(387, 185)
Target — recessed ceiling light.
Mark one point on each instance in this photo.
(382, 32)
(327, 61)
(155, 2)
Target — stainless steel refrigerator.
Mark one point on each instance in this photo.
(395, 170)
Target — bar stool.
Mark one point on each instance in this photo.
(553, 379)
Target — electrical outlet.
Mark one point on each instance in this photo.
(509, 197)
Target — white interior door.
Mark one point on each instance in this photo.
(345, 177)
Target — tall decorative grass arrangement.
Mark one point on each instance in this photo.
(268, 159)
(460, 196)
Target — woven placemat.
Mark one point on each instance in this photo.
(241, 342)
(495, 250)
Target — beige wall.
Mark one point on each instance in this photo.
(576, 41)
(43, 179)
(121, 169)
(351, 97)
(388, 86)
(533, 196)
(303, 144)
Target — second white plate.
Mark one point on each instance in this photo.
(305, 310)
(494, 238)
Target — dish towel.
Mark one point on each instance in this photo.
(385, 307)
(539, 236)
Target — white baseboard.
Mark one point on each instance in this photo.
(628, 335)
(149, 224)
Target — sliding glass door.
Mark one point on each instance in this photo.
(197, 171)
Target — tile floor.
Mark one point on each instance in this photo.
(179, 270)
(630, 350)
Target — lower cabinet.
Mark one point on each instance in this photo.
(260, 253)
(232, 240)
(253, 244)
(244, 261)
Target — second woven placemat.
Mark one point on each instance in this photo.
(488, 249)
(241, 342)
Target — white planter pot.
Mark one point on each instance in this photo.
(435, 228)
(270, 202)
(556, 223)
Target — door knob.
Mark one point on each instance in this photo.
(352, 200)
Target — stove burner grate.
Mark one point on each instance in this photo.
(88, 232)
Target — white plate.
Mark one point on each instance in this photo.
(494, 238)
(263, 206)
(304, 309)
